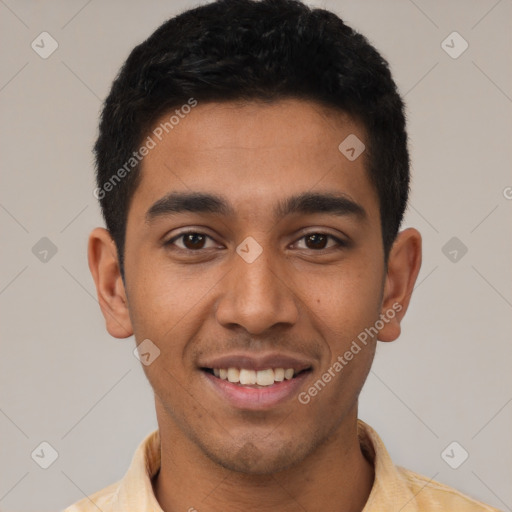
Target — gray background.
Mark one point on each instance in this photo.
(64, 380)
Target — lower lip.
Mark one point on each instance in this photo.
(256, 399)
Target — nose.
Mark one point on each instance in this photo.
(257, 296)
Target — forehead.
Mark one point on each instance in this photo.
(255, 153)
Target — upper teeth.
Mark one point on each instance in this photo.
(247, 377)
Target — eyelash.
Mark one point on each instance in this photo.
(340, 243)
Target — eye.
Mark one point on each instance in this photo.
(190, 241)
(196, 241)
(319, 241)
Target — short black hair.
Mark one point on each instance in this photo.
(250, 50)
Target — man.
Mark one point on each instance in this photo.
(253, 171)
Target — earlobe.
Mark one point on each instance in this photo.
(404, 264)
(104, 267)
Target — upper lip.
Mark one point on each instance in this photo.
(251, 361)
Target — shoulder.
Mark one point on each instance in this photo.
(432, 495)
(103, 500)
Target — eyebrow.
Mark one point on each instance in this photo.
(305, 203)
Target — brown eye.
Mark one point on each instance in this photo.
(191, 241)
(316, 241)
(319, 241)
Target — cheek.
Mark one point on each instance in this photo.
(160, 295)
(168, 306)
(345, 304)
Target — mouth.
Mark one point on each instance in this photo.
(257, 379)
(255, 382)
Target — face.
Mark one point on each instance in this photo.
(253, 243)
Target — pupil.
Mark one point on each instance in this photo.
(315, 238)
(194, 240)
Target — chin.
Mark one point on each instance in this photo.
(257, 457)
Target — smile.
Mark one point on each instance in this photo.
(254, 397)
(254, 378)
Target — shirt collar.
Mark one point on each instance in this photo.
(135, 491)
(389, 491)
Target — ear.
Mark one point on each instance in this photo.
(404, 264)
(104, 267)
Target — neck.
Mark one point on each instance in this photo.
(336, 473)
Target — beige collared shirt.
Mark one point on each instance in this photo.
(395, 489)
